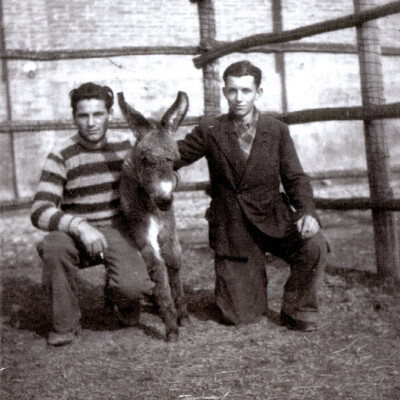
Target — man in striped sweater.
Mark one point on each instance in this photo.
(78, 202)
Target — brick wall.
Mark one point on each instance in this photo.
(151, 82)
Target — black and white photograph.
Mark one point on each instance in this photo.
(200, 200)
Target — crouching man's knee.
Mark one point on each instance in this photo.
(60, 257)
(57, 246)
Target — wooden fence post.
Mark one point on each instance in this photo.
(6, 80)
(280, 67)
(211, 79)
(377, 153)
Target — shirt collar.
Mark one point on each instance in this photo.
(245, 127)
(90, 145)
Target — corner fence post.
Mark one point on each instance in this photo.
(377, 153)
(211, 80)
(6, 80)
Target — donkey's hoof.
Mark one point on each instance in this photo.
(172, 337)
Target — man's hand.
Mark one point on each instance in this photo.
(308, 226)
(93, 240)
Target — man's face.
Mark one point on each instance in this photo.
(241, 93)
(91, 118)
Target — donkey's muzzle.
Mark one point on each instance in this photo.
(164, 204)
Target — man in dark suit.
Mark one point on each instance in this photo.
(250, 157)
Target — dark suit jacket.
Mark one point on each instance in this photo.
(246, 194)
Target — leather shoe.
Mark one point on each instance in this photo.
(63, 338)
(296, 324)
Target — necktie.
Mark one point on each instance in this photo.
(245, 140)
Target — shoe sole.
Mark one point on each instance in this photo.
(67, 340)
(296, 325)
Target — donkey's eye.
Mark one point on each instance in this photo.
(168, 159)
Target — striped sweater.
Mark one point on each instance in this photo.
(79, 182)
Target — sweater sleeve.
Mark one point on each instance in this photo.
(46, 214)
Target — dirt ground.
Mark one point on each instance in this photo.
(354, 355)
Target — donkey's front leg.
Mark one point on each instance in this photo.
(178, 295)
(172, 255)
(162, 292)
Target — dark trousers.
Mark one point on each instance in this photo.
(241, 285)
(62, 257)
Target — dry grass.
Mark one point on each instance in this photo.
(355, 354)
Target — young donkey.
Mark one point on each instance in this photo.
(147, 182)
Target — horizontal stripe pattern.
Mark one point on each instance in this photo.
(87, 181)
(86, 208)
(88, 190)
(100, 167)
(78, 182)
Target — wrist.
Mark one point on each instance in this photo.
(74, 226)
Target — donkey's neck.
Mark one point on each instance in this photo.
(133, 189)
(144, 200)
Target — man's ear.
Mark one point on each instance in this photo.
(260, 91)
(111, 114)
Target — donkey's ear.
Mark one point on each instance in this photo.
(136, 121)
(175, 114)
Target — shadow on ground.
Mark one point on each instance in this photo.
(25, 306)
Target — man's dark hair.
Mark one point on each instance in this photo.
(89, 91)
(242, 68)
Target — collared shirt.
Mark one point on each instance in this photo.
(246, 133)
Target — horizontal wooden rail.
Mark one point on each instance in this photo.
(334, 48)
(355, 203)
(54, 55)
(35, 126)
(361, 203)
(345, 174)
(391, 110)
(383, 111)
(15, 204)
(314, 176)
(348, 21)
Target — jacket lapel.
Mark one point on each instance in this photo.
(229, 146)
(260, 149)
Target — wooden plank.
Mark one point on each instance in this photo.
(332, 48)
(6, 80)
(382, 111)
(211, 79)
(54, 55)
(355, 203)
(387, 249)
(348, 21)
(36, 126)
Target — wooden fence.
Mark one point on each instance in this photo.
(208, 51)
